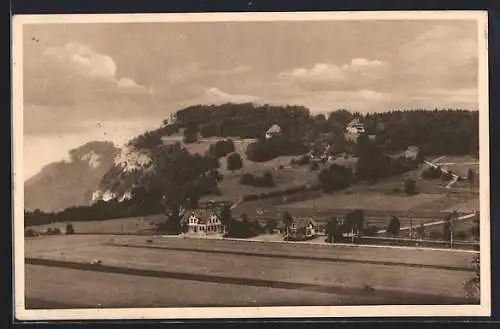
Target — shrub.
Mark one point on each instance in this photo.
(29, 233)
(371, 230)
(334, 178)
(471, 174)
(190, 135)
(461, 235)
(221, 148)
(247, 179)
(314, 166)
(394, 226)
(271, 225)
(410, 186)
(303, 160)
(70, 229)
(234, 162)
(266, 180)
(435, 235)
(431, 173)
(267, 149)
(55, 231)
(446, 176)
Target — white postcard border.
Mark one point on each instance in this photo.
(21, 313)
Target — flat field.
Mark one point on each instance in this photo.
(109, 226)
(272, 274)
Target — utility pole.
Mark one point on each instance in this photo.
(452, 229)
(411, 225)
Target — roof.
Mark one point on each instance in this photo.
(354, 122)
(202, 214)
(274, 129)
(412, 151)
(301, 222)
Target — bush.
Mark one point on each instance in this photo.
(271, 225)
(303, 160)
(266, 180)
(431, 173)
(334, 178)
(410, 186)
(221, 148)
(247, 179)
(314, 166)
(70, 229)
(471, 174)
(29, 233)
(190, 135)
(394, 226)
(169, 226)
(435, 235)
(446, 176)
(54, 231)
(371, 230)
(461, 235)
(234, 162)
(267, 149)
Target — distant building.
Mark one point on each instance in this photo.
(275, 130)
(355, 127)
(203, 221)
(411, 152)
(300, 229)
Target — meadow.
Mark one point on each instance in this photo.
(390, 272)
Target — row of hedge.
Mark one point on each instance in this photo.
(282, 192)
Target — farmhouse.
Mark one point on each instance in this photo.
(355, 127)
(300, 229)
(203, 221)
(275, 130)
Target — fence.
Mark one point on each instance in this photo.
(464, 245)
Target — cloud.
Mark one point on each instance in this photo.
(89, 64)
(446, 55)
(214, 95)
(358, 73)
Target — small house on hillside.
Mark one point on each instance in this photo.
(411, 152)
(355, 127)
(300, 229)
(203, 221)
(275, 130)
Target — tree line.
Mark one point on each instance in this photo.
(436, 132)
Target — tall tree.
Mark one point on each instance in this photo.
(178, 179)
(226, 217)
(394, 226)
(287, 221)
(234, 162)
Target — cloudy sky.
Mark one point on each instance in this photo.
(86, 82)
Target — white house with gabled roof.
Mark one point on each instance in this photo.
(355, 127)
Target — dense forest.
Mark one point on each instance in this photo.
(436, 132)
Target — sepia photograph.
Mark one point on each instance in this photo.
(251, 165)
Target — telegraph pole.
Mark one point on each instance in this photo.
(411, 225)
